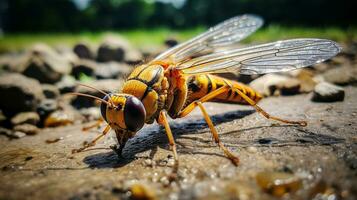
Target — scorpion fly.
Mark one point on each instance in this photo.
(180, 79)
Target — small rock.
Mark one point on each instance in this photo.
(327, 92)
(66, 84)
(5, 131)
(142, 192)
(112, 70)
(92, 113)
(252, 149)
(11, 62)
(112, 49)
(59, 118)
(278, 183)
(116, 48)
(341, 75)
(45, 64)
(29, 129)
(83, 66)
(83, 50)
(171, 42)
(132, 56)
(26, 118)
(274, 84)
(19, 93)
(46, 107)
(50, 91)
(17, 134)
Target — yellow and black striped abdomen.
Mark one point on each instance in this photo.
(200, 85)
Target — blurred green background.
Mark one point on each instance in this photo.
(149, 22)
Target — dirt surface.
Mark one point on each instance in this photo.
(321, 156)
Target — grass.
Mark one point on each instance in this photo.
(155, 37)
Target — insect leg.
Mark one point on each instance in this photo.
(265, 114)
(198, 103)
(96, 124)
(163, 121)
(233, 158)
(92, 143)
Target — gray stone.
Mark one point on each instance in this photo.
(116, 48)
(327, 92)
(25, 118)
(92, 113)
(66, 84)
(45, 64)
(19, 93)
(112, 49)
(5, 131)
(171, 42)
(112, 70)
(82, 50)
(62, 117)
(275, 84)
(17, 134)
(341, 75)
(83, 66)
(29, 129)
(50, 91)
(46, 107)
(11, 62)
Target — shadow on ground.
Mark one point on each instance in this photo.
(154, 136)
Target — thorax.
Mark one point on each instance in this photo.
(148, 84)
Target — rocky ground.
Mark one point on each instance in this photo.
(41, 124)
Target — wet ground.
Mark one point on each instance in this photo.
(318, 161)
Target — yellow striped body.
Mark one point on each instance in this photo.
(200, 85)
(158, 89)
(149, 85)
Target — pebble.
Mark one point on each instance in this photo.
(50, 91)
(19, 93)
(17, 134)
(327, 92)
(59, 118)
(83, 66)
(252, 149)
(142, 192)
(275, 84)
(5, 131)
(92, 113)
(46, 107)
(278, 183)
(112, 49)
(66, 84)
(82, 50)
(25, 118)
(29, 129)
(45, 64)
(341, 75)
(170, 42)
(112, 70)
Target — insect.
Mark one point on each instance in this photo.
(180, 79)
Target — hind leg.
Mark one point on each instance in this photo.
(264, 113)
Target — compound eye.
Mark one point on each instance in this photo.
(103, 107)
(134, 114)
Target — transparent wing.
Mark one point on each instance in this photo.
(266, 58)
(224, 34)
